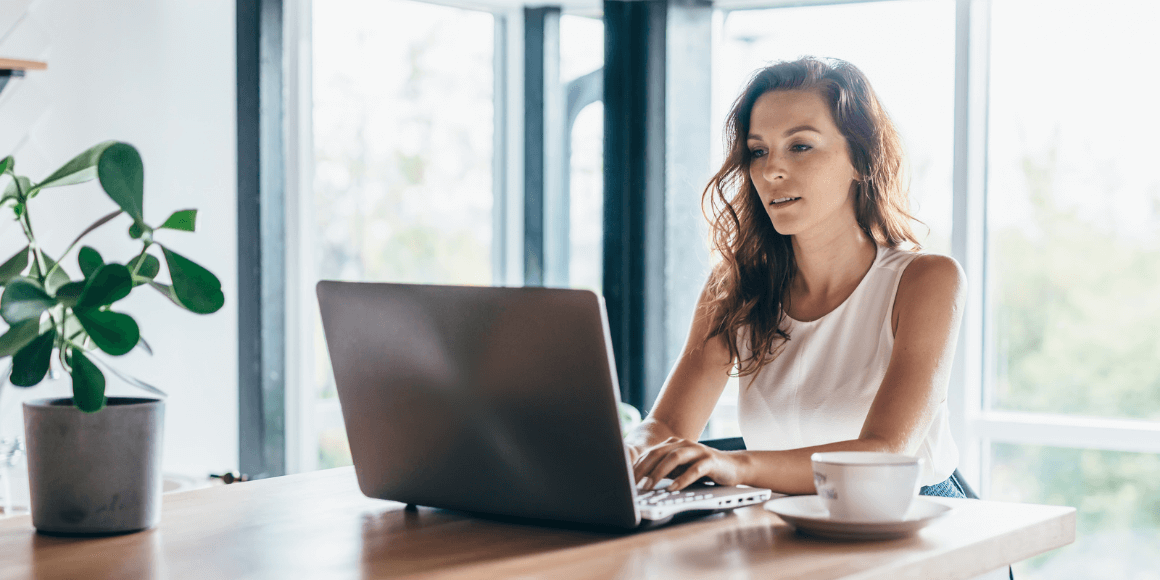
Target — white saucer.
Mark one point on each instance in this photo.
(809, 515)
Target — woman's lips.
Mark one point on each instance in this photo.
(775, 203)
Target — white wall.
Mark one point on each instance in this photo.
(159, 74)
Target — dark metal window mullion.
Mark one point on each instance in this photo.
(261, 239)
(634, 183)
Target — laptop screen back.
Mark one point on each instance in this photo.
(491, 400)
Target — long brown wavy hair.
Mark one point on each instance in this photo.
(748, 285)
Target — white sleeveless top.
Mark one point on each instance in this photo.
(819, 388)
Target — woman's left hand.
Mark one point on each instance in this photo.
(686, 462)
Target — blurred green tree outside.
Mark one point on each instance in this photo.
(1075, 318)
(1117, 501)
(1076, 310)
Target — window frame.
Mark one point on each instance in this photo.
(261, 236)
(306, 415)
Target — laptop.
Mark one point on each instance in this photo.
(487, 400)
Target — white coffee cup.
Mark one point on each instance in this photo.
(863, 486)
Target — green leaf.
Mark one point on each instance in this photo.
(80, 169)
(18, 336)
(7, 164)
(70, 293)
(30, 363)
(90, 260)
(183, 220)
(114, 333)
(23, 299)
(150, 266)
(88, 383)
(195, 287)
(14, 266)
(107, 285)
(122, 176)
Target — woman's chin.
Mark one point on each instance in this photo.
(785, 227)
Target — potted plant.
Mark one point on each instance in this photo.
(94, 462)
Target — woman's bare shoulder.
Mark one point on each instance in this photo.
(932, 277)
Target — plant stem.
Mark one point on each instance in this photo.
(26, 224)
(37, 254)
(61, 340)
(32, 242)
(63, 363)
(140, 259)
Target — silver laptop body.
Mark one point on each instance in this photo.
(491, 400)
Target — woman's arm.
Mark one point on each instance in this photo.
(927, 312)
(691, 391)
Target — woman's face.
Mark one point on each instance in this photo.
(800, 163)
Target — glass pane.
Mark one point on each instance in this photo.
(1117, 497)
(1073, 210)
(333, 449)
(581, 53)
(911, 68)
(403, 142)
(403, 127)
(581, 46)
(586, 200)
(724, 423)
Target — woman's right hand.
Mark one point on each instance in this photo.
(634, 452)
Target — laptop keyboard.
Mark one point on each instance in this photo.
(659, 503)
(662, 497)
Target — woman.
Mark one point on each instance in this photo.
(842, 333)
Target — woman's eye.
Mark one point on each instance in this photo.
(800, 147)
(757, 153)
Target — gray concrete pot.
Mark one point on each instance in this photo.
(97, 473)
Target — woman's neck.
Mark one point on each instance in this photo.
(830, 264)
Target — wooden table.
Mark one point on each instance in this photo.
(318, 525)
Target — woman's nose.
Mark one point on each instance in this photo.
(774, 169)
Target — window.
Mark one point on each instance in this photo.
(1117, 501)
(586, 194)
(1071, 159)
(411, 145)
(403, 137)
(1072, 271)
(582, 54)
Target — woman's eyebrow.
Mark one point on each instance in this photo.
(800, 128)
